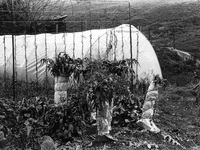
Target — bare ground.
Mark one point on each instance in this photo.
(176, 115)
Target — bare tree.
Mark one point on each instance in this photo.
(29, 12)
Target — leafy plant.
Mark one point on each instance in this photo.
(103, 80)
(27, 120)
(110, 81)
(63, 65)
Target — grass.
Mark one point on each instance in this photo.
(183, 16)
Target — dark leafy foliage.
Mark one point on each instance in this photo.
(27, 120)
(36, 117)
(63, 65)
(110, 81)
(175, 69)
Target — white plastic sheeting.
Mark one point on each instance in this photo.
(112, 43)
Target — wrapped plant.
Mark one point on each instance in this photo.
(103, 78)
(65, 70)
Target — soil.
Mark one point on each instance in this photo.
(177, 116)
(176, 113)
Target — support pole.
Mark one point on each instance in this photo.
(82, 44)
(122, 43)
(65, 34)
(131, 52)
(46, 74)
(90, 36)
(36, 62)
(26, 62)
(137, 55)
(55, 41)
(57, 28)
(74, 43)
(5, 74)
(13, 50)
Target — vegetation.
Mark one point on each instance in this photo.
(161, 24)
(63, 65)
(178, 71)
(29, 16)
(32, 118)
(26, 119)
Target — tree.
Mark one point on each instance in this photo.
(28, 14)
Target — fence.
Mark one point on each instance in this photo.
(76, 21)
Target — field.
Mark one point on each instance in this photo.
(165, 24)
(176, 114)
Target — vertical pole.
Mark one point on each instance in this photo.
(82, 28)
(72, 8)
(90, 44)
(56, 28)
(13, 50)
(115, 45)
(106, 44)
(86, 24)
(5, 74)
(26, 71)
(122, 43)
(55, 46)
(36, 61)
(99, 57)
(82, 45)
(65, 46)
(137, 54)
(131, 53)
(139, 28)
(73, 43)
(99, 38)
(15, 65)
(65, 39)
(15, 59)
(73, 31)
(90, 36)
(56, 40)
(46, 78)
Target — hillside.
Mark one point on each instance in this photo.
(165, 24)
(163, 20)
(174, 23)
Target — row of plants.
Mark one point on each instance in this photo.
(28, 120)
(177, 70)
(24, 121)
(25, 89)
